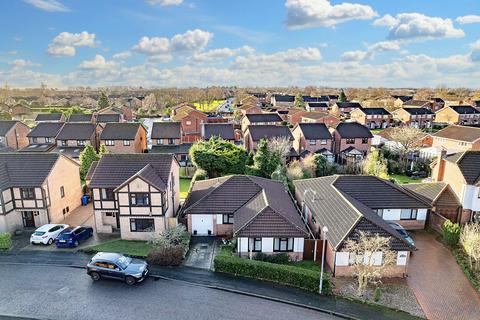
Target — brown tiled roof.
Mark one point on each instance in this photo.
(469, 164)
(316, 115)
(432, 190)
(259, 132)
(91, 170)
(167, 130)
(120, 131)
(460, 133)
(416, 103)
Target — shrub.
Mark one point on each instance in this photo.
(177, 236)
(166, 256)
(199, 175)
(253, 171)
(279, 273)
(451, 233)
(5, 241)
(377, 294)
(279, 258)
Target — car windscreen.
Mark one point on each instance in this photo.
(38, 233)
(123, 262)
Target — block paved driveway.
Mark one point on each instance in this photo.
(439, 284)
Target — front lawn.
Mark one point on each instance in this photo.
(376, 131)
(208, 106)
(403, 179)
(134, 248)
(184, 187)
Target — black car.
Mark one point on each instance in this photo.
(117, 266)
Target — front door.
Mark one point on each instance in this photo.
(28, 219)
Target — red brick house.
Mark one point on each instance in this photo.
(191, 120)
(313, 138)
(374, 118)
(352, 141)
(255, 133)
(13, 135)
(124, 137)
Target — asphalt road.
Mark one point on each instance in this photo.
(49, 292)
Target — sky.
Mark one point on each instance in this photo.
(249, 43)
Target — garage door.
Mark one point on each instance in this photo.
(202, 224)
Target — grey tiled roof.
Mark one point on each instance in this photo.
(182, 148)
(263, 117)
(6, 125)
(120, 131)
(352, 105)
(222, 130)
(418, 111)
(465, 109)
(114, 169)
(417, 103)
(353, 130)
(166, 130)
(313, 131)
(76, 131)
(150, 175)
(431, 191)
(91, 170)
(106, 117)
(461, 133)
(469, 164)
(45, 129)
(284, 98)
(77, 117)
(49, 117)
(259, 132)
(375, 111)
(318, 105)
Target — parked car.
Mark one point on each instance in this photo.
(402, 232)
(117, 266)
(71, 237)
(47, 233)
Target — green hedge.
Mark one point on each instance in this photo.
(5, 241)
(462, 260)
(451, 233)
(279, 273)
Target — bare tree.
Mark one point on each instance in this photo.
(470, 241)
(370, 256)
(281, 146)
(408, 139)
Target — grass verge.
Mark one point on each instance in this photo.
(134, 248)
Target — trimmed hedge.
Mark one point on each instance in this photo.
(5, 241)
(279, 273)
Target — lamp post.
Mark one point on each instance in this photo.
(324, 233)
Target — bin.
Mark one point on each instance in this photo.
(84, 200)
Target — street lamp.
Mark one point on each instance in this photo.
(324, 233)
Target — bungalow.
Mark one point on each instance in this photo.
(317, 106)
(221, 130)
(254, 134)
(258, 212)
(351, 142)
(124, 137)
(280, 100)
(13, 135)
(456, 138)
(50, 117)
(166, 138)
(191, 120)
(73, 137)
(313, 138)
(34, 191)
(261, 119)
(462, 172)
(415, 117)
(463, 115)
(137, 194)
(347, 205)
(344, 108)
(79, 117)
(374, 118)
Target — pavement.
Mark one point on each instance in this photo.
(439, 284)
(207, 279)
(201, 253)
(40, 292)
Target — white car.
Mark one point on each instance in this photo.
(47, 233)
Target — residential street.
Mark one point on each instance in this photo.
(67, 293)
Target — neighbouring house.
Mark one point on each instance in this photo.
(417, 104)
(103, 119)
(344, 108)
(249, 109)
(320, 117)
(126, 137)
(462, 115)
(437, 104)
(456, 138)
(400, 100)
(13, 135)
(261, 96)
(462, 172)
(79, 117)
(352, 142)
(320, 99)
(42, 137)
(313, 138)
(281, 100)
(294, 115)
(415, 117)
(35, 191)
(191, 120)
(125, 113)
(221, 130)
(19, 110)
(261, 119)
(374, 118)
(445, 203)
(258, 212)
(317, 106)
(50, 117)
(255, 133)
(347, 205)
(137, 194)
(73, 137)
(166, 138)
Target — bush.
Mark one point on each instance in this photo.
(5, 241)
(377, 294)
(173, 237)
(451, 233)
(199, 175)
(279, 273)
(463, 262)
(253, 171)
(166, 256)
(280, 258)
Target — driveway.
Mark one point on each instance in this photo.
(439, 284)
(201, 253)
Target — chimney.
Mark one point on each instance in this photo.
(442, 153)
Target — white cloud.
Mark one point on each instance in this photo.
(468, 19)
(355, 55)
(192, 40)
(21, 63)
(475, 54)
(359, 55)
(269, 62)
(152, 46)
(165, 3)
(64, 44)
(48, 5)
(98, 62)
(321, 13)
(416, 26)
(122, 55)
(220, 54)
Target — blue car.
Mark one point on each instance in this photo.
(71, 237)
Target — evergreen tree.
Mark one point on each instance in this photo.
(299, 102)
(103, 150)
(320, 165)
(103, 101)
(87, 156)
(342, 97)
(265, 160)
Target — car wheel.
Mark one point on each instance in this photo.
(130, 280)
(50, 241)
(75, 244)
(95, 276)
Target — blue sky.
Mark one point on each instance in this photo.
(161, 43)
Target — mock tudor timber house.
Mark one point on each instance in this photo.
(137, 194)
(34, 190)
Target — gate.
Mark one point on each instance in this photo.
(309, 248)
